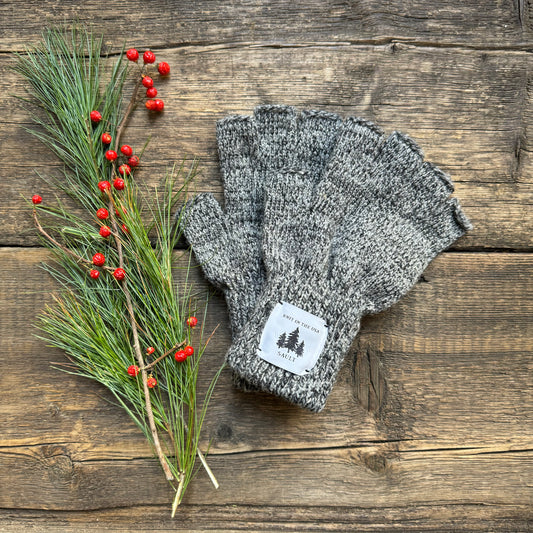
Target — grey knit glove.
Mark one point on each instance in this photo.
(228, 243)
(353, 246)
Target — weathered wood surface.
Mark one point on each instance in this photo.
(433, 409)
(470, 111)
(430, 424)
(503, 24)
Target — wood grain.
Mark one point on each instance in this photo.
(227, 518)
(445, 99)
(429, 425)
(505, 24)
(451, 418)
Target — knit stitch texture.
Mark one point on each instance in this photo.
(251, 150)
(349, 245)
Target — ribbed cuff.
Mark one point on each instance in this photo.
(311, 390)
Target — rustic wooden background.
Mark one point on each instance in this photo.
(430, 424)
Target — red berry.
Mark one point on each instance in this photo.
(118, 183)
(104, 185)
(126, 150)
(151, 382)
(192, 321)
(105, 231)
(106, 138)
(149, 57)
(119, 274)
(148, 82)
(151, 92)
(180, 356)
(133, 161)
(36, 199)
(124, 170)
(125, 228)
(96, 116)
(189, 350)
(164, 68)
(95, 274)
(150, 350)
(132, 54)
(133, 370)
(98, 259)
(111, 155)
(102, 213)
(158, 105)
(150, 105)
(123, 210)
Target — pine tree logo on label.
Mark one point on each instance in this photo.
(292, 342)
(292, 338)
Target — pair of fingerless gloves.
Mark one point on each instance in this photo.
(325, 220)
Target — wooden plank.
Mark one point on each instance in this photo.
(51, 480)
(444, 98)
(230, 518)
(434, 412)
(450, 22)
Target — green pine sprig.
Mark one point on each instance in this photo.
(103, 325)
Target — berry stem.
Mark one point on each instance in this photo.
(153, 363)
(77, 257)
(127, 113)
(144, 375)
(137, 346)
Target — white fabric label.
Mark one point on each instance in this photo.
(292, 339)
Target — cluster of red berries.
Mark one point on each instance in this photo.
(180, 355)
(133, 371)
(147, 81)
(119, 184)
(99, 260)
(132, 161)
(124, 169)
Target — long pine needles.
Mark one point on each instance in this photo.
(103, 325)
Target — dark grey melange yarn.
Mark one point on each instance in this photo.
(228, 243)
(352, 245)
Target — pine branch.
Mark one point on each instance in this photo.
(101, 327)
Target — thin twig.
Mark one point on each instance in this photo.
(207, 469)
(153, 363)
(129, 109)
(137, 349)
(144, 375)
(78, 258)
(177, 498)
(136, 346)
